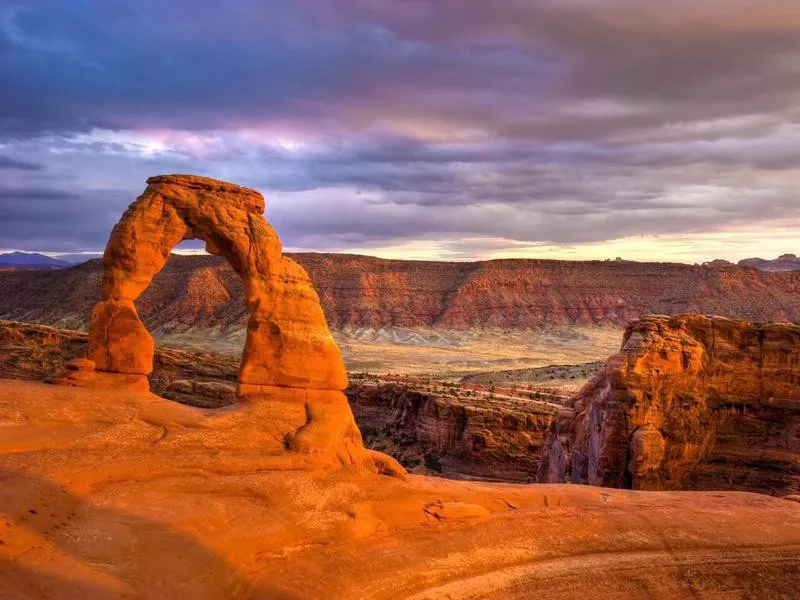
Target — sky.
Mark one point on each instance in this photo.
(425, 129)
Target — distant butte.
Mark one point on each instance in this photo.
(784, 263)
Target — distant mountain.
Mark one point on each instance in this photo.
(785, 262)
(76, 259)
(30, 260)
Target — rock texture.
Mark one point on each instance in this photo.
(288, 343)
(31, 351)
(690, 402)
(204, 294)
(109, 494)
(452, 431)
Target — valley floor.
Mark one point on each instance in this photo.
(443, 353)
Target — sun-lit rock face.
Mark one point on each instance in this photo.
(290, 365)
(109, 494)
(288, 341)
(690, 402)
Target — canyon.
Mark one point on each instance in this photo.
(256, 482)
(419, 318)
(689, 402)
(730, 422)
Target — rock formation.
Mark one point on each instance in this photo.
(288, 344)
(113, 494)
(451, 431)
(690, 402)
(204, 296)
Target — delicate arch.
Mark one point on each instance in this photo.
(288, 341)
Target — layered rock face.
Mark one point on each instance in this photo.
(453, 432)
(288, 342)
(197, 293)
(690, 402)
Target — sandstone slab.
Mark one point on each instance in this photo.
(111, 494)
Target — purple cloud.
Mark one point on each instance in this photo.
(561, 122)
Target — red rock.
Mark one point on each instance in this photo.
(288, 346)
(288, 341)
(80, 364)
(690, 402)
(118, 340)
(197, 293)
(452, 432)
(111, 494)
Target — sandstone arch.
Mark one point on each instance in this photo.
(292, 373)
(288, 342)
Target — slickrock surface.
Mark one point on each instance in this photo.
(204, 293)
(451, 430)
(112, 494)
(690, 402)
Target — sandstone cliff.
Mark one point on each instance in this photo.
(450, 430)
(690, 402)
(203, 292)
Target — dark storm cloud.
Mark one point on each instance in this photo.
(563, 121)
(6, 162)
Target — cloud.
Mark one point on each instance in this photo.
(6, 162)
(374, 123)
